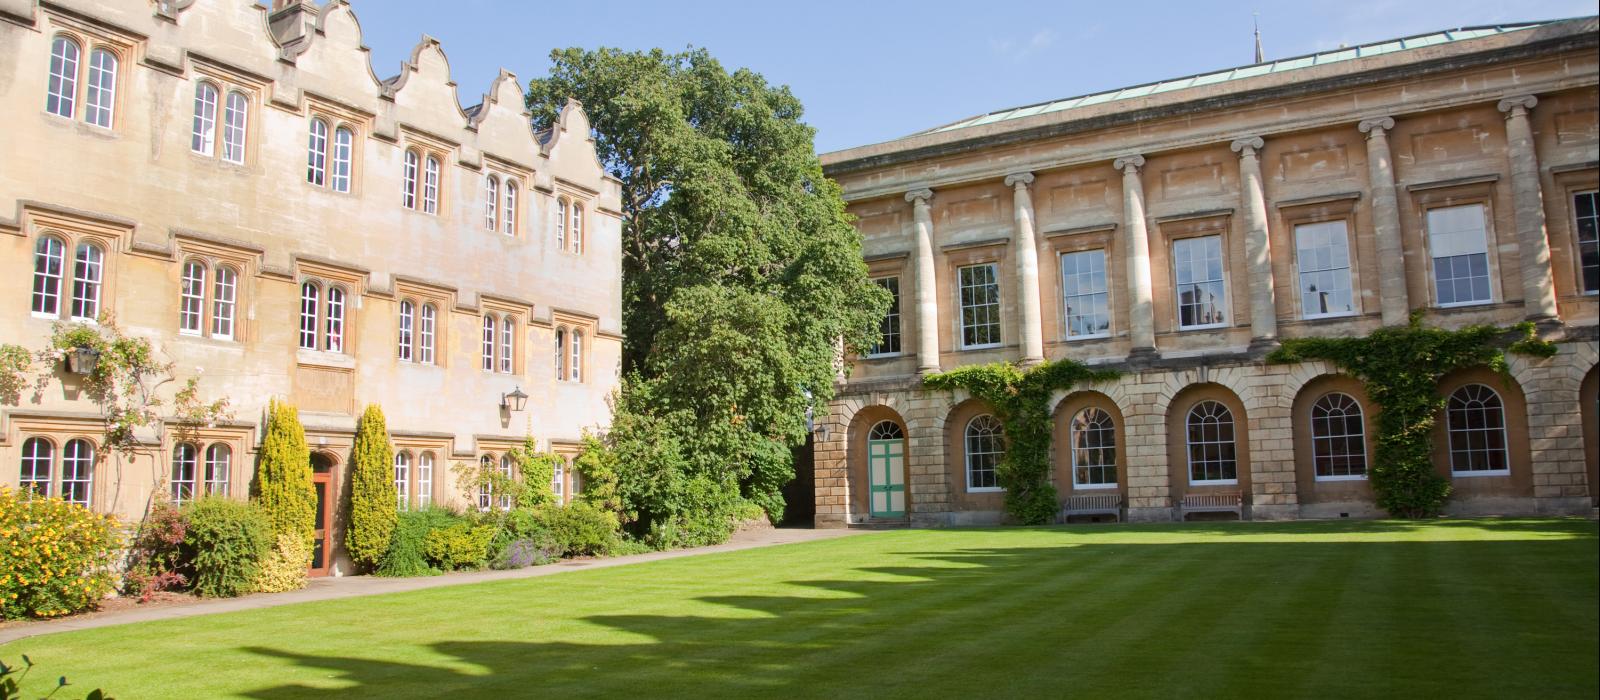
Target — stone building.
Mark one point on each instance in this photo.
(1178, 230)
(238, 185)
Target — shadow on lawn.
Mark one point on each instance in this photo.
(1125, 609)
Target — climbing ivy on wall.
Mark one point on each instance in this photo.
(1021, 400)
(1401, 368)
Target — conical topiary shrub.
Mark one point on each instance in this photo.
(284, 490)
(373, 497)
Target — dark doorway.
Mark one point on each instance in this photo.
(800, 494)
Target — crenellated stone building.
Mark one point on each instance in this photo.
(1179, 230)
(238, 185)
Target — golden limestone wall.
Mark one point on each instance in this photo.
(1507, 123)
(137, 187)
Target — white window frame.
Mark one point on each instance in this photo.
(334, 325)
(235, 126)
(508, 345)
(29, 481)
(1451, 433)
(491, 200)
(192, 298)
(561, 354)
(317, 152)
(408, 179)
(77, 472)
(1222, 280)
(425, 333)
(490, 337)
(508, 211)
(218, 469)
(402, 480)
(1189, 445)
(1488, 256)
(508, 471)
(185, 472)
(310, 320)
(1073, 450)
(406, 323)
(88, 276)
(1361, 418)
(561, 223)
(1067, 299)
(575, 371)
(50, 250)
(961, 306)
(1301, 269)
(1577, 235)
(203, 137)
(100, 98)
(424, 480)
(430, 184)
(576, 234)
(343, 151)
(997, 433)
(63, 82)
(224, 301)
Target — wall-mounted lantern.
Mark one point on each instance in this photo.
(514, 401)
(82, 360)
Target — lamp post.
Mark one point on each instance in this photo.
(514, 401)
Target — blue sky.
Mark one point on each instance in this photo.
(873, 71)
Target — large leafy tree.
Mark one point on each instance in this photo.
(742, 275)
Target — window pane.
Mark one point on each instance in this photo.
(204, 138)
(407, 316)
(509, 216)
(343, 141)
(576, 373)
(63, 92)
(1197, 266)
(1458, 242)
(1323, 253)
(1093, 441)
(102, 93)
(86, 282)
(430, 186)
(402, 479)
(38, 456)
(980, 305)
(233, 127)
(1210, 442)
(309, 301)
(317, 153)
(408, 181)
(424, 479)
(335, 324)
(507, 342)
(488, 343)
(491, 198)
(48, 256)
(183, 472)
(889, 328)
(77, 472)
(425, 336)
(223, 301)
(561, 353)
(1587, 207)
(1476, 420)
(1338, 437)
(219, 463)
(985, 442)
(1083, 290)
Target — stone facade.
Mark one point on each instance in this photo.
(1381, 144)
(306, 171)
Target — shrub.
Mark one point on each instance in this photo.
(462, 545)
(56, 558)
(283, 477)
(523, 553)
(373, 499)
(581, 529)
(155, 559)
(225, 543)
(285, 566)
(407, 554)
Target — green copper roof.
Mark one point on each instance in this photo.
(1222, 76)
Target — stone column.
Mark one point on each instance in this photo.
(1141, 309)
(1027, 268)
(1538, 288)
(927, 290)
(1386, 223)
(1257, 243)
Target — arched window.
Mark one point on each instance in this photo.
(561, 224)
(424, 479)
(558, 478)
(234, 121)
(86, 282)
(430, 186)
(491, 197)
(561, 354)
(508, 217)
(224, 297)
(192, 294)
(425, 335)
(402, 479)
(488, 343)
(38, 456)
(485, 487)
(1093, 442)
(407, 316)
(101, 99)
(577, 228)
(408, 181)
(508, 335)
(1211, 446)
(886, 430)
(317, 153)
(985, 441)
(575, 373)
(63, 92)
(1338, 438)
(310, 300)
(508, 468)
(183, 470)
(219, 465)
(335, 324)
(48, 258)
(77, 472)
(1477, 422)
(343, 145)
(204, 140)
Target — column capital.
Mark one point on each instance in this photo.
(1511, 105)
(1247, 146)
(1134, 161)
(1019, 179)
(1375, 126)
(919, 196)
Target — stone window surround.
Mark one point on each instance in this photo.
(440, 448)
(72, 230)
(1102, 238)
(91, 38)
(1568, 182)
(1333, 208)
(959, 255)
(897, 266)
(1173, 230)
(58, 431)
(336, 116)
(226, 80)
(213, 254)
(573, 322)
(420, 293)
(1427, 197)
(325, 275)
(426, 146)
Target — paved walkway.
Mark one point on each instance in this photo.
(334, 588)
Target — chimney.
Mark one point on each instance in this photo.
(291, 20)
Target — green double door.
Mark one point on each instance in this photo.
(886, 474)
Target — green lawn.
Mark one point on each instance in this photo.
(1493, 608)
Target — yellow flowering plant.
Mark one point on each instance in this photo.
(56, 558)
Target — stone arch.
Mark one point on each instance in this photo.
(1062, 441)
(1177, 415)
(1589, 409)
(1464, 488)
(955, 458)
(857, 481)
(1330, 495)
(1231, 379)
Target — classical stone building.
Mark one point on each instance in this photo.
(1178, 230)
(238, 185)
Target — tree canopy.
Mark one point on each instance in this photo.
(741, 272)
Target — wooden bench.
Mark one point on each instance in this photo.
(1212, 502)
(1092, 504)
